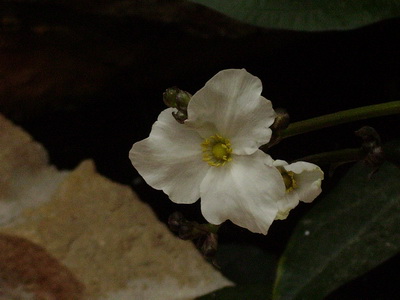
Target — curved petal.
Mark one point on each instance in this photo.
(308, 178)
(285, 205)
(289, 200)
(280, 163)
(244, 191)
(170, 159)
(231, 105)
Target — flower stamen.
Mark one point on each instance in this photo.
(288, 179)
(216, 150)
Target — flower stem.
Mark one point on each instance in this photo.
(209, 227)
(341, 117)
(337, 156)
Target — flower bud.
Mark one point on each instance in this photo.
(180, 116)
(176, 98)
(282, 120)
(185, 231)
(189, 231)
(179, 99)
(169, 96)
(371, 147)
(182, 100)
(210, 245)
(175, 221)
(370, 137)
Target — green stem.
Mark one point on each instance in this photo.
(338, 156)
(210, 227)
(341, 117)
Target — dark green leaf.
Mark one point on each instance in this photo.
(310, 15)
(350, 231)
(252, 270)
(255, 291)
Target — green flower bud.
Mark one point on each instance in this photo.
(180, 116)
(282, 120)
(182, 100)
(176, 98)
(169, 96)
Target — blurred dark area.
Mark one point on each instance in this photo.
(86, 78)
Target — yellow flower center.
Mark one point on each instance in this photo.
(288, 179)
(216, 150)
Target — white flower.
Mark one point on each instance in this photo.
(302, 183)
(214, 154)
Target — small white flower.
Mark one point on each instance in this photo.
(302, 183)
(214, 154)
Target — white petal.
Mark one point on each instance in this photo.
(288, 201)
(308, 178)
(280, 163)
(244, 191)
(231, 104)
(285, 205)
(170, 159)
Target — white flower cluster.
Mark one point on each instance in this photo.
(215, 156)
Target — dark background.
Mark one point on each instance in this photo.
(86, 81)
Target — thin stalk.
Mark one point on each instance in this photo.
(337, 156)
(209, 227)
(341, 117)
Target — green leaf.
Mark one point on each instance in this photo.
(252, 270)
(350, 231)
(309, 15)
(255, 291)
